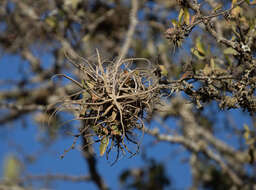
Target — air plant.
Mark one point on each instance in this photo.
(115, 98)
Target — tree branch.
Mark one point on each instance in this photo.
(131, 30)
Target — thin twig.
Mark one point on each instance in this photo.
(19, 107)
(131, 30)
(51, 177)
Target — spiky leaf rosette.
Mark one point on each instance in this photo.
(115, 98)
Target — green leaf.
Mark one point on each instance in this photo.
(51, 22)
(103, 145)
(230, 51)
(174, 23)
(186, 16)
(197, 53)
(246, 133)
(200, 47)
(180, 16)
(12, 169)
(164, 71)
(218, 7)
